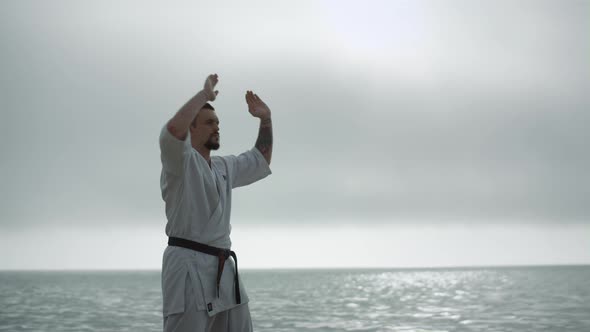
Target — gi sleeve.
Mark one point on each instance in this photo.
(173, 151)
(247, 167)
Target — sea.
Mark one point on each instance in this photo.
(543, 298)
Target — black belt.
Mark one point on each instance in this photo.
(221, 254)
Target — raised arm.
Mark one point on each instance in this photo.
(260, 110)
(180, 122)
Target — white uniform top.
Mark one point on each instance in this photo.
(198, 207)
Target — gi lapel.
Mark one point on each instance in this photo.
(219, 208)
(211, 191)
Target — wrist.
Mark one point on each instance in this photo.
(208, 96)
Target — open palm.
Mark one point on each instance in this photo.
(256, 106)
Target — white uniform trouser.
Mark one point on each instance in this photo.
(192, 320)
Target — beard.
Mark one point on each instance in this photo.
(211, 145)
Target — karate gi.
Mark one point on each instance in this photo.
(198, 207)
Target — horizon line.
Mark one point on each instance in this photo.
(454, 267)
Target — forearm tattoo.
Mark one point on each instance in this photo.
(264, 141)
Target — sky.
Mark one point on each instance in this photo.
(432, 134)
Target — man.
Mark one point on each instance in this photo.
(201, 287)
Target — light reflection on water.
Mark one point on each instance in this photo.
(517, 299)
(493, 299)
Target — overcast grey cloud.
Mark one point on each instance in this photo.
(383, 111)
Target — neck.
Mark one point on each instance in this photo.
(203, 151)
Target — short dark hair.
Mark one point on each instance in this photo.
(207, 106)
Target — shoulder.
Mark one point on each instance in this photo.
(168, 141)
(226, 160)
(222, 162)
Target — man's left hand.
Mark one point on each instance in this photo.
(256, 106)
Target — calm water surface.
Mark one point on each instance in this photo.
(467, 299)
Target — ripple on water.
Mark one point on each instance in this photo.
(516, 299)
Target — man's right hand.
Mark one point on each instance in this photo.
(179, 124)
(209, 87)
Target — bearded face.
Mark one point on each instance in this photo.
(213, 142)
(205, 130)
